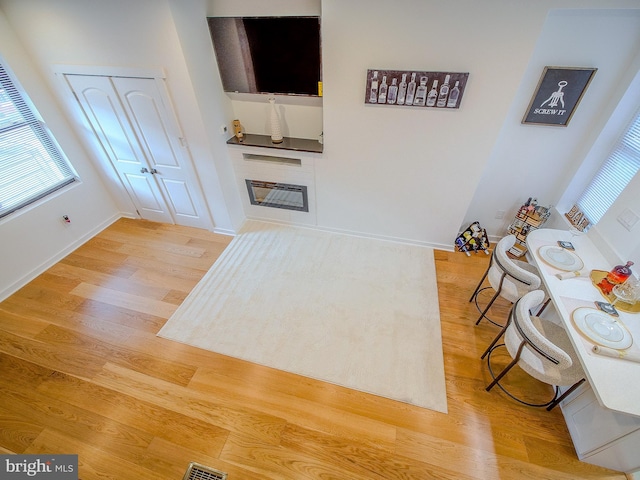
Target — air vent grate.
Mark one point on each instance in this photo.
(201, 472)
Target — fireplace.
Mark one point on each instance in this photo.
(278, 195)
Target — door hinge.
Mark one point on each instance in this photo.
(183, 141)
(138, 213)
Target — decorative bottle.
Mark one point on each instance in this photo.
(421, 93)
(382, 96)
(453, 96)
(444, 92)
(274, 121)
(433, 94)
(402, 91)
(411, 89)
(373, 95)
(393, 91)
(618, 274)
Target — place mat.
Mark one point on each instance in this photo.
(603, 329)
(560, 258)
(631, 354)
(596, 277)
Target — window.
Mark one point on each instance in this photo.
(31, 165)
(614, 175)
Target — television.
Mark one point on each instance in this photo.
(269, 55)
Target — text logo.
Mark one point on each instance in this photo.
(49, 467)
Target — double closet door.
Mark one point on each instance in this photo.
(134, 123)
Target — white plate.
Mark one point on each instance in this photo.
(561, 258)
(601, 328)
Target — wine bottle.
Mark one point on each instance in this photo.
(453, 96)
(444, 92)
(411, 89)
(402, 91)
(373, 96)
(421, 93)
(393, 91)
(382, 97)
(433, 94)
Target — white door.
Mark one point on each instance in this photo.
(135, 124)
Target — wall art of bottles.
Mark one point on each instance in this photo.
(415, 89)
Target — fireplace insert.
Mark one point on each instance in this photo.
(278, 195)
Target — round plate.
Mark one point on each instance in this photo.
(561, 258)
(601, 328)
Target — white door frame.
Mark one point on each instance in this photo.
(155, 73)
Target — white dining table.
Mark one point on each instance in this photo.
(615, 382)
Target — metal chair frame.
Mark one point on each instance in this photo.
(474, 297)
(526, 341)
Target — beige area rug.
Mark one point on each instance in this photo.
(357, 312)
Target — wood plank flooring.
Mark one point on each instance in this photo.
(83, 372)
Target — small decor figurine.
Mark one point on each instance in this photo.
(276, 133)
(237, 130)
(473, 238)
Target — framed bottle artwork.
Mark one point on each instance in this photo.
(557, 95)
(415, 88)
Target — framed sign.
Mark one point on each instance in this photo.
(415, 88)
(559, 91)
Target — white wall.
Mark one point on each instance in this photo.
(135, 34)
(36, 236)
(404, 173)
(620, 244)
(542, 161)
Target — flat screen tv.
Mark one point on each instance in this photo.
(273, 55)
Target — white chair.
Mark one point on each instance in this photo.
(539, 347)
(510, 279)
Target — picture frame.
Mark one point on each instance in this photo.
(415, 89)
(557, 95)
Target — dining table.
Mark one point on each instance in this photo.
(603, 416)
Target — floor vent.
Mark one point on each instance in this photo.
(200, 472)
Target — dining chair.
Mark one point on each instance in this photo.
(508, 278)
(540, 348)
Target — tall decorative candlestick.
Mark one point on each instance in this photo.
(276, 132)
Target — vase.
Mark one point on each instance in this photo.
(274, 120)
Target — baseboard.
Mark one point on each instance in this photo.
(11, 289)
(225, 231)
(435, 246)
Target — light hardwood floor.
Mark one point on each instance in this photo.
(83, 372)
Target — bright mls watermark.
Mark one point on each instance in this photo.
(49, 467)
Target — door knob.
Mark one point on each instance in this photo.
(153, 171)
(144, 170)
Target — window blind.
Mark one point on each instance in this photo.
(31, 165)
(614, 175)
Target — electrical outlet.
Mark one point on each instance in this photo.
(500, 214)
(628, 219)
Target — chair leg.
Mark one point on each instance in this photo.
(544, 305)
(475, 292)
(506, 369)
(486, 309)
(565, 394)
(499, 336)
